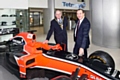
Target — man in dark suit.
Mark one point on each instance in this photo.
(81, 34)
(58, 26)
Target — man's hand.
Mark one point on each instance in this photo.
(46, 41)
(81, 52)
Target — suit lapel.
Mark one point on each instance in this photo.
(81, 25)
(57, 20)
(59, 25)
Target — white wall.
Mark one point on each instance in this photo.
(16, 4)
(38, 3)
(7, 11)
(59, 4)
(7, 19)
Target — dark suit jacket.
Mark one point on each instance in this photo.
(60, 35)
(82, 36)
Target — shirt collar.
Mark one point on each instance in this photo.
(82, 19)
(59, 19)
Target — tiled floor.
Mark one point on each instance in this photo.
(5, 75)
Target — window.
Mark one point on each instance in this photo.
(34, 19)
(31, 19)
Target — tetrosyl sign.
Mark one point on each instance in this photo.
(68, 4)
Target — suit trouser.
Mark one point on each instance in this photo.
(76, 51)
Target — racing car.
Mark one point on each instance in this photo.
(27, 58)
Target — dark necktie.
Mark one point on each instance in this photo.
(77, 27)
(60, 23)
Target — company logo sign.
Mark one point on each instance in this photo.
(79, 6)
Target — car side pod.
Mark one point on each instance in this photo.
(26, 62)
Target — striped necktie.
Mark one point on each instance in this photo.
(60, 21)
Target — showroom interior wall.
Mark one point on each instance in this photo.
(43, 4)
(20, 7)
(8, 10)
(106, 23)
(13, 4)
(61, 4)
(48, 15)
(48, 7)
(36, 8)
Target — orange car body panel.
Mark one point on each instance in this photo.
(42, 60)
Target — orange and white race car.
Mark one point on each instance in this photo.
(29, 58)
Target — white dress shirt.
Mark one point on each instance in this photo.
(59, 20)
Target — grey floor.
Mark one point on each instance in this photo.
(5, 75)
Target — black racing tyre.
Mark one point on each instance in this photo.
(102, 57)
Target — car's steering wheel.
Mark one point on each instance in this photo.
(72, 56)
